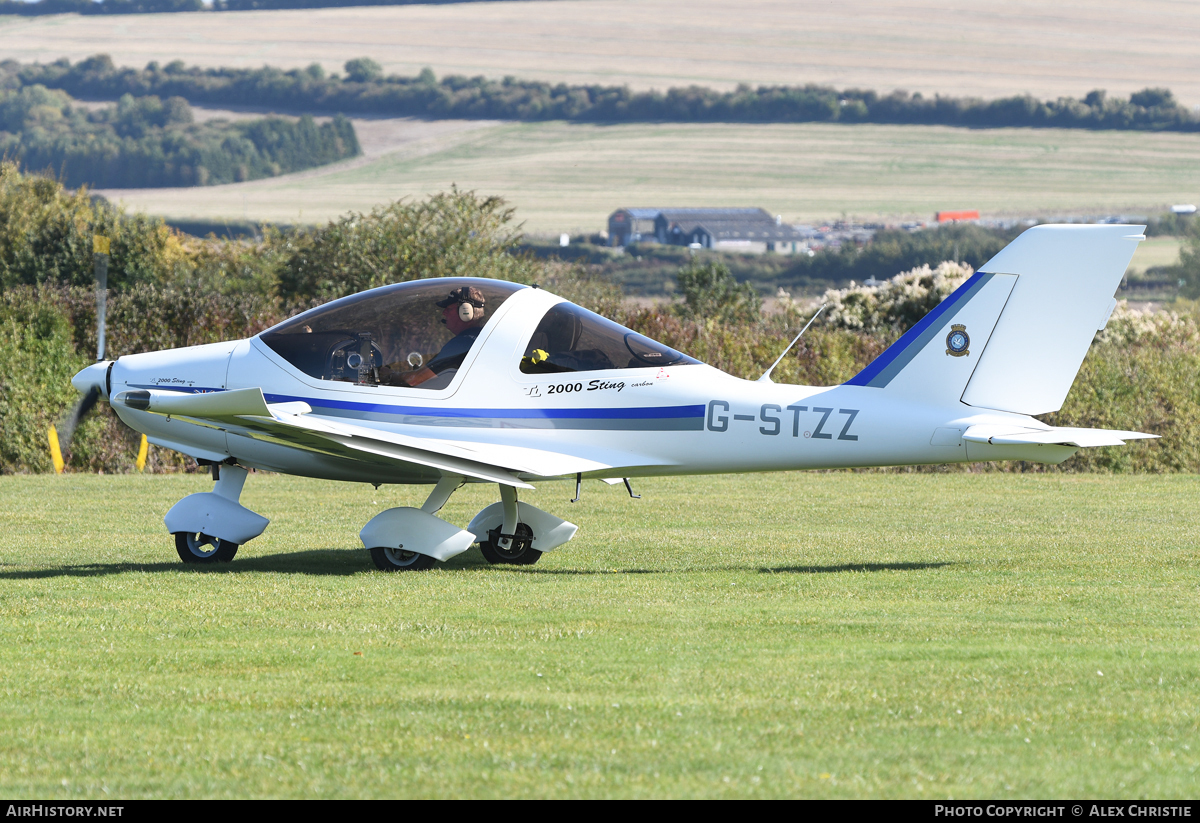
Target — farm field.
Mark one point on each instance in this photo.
(823, 635)
(1155, 251)
(932, 46)
(569, 177)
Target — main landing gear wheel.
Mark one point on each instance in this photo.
(520, 553)
(398, 560)
(203, 548)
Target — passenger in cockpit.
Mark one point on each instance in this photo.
(463, 312)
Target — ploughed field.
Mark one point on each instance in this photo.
(570, 177)
(837, 634)
(955, 47)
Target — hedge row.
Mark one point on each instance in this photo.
(169, 290)
(365, 89)
(1140, 374)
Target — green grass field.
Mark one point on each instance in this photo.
(565, 177)
(822, 635)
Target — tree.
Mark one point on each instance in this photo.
(1152, 98)
(1189, 263)
(451, 234)
(710, 291)
(363, 70)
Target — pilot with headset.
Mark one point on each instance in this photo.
(463, 312)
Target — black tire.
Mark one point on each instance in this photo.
(398, 560)
(522, 552)
(202, 548)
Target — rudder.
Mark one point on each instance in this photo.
(1066, 277)
(1013, 336)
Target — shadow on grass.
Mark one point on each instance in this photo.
(346, 562)
(325, 562)
(854, 567)
(837, 569)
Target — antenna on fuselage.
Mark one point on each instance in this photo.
(766, 378)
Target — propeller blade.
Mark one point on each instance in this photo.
(101, 300)
(85, 405)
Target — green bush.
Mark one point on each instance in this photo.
(1140, 375)
(712, 294)
(37, 360)
(46, 237)
(47, 334)
(452, 234)
(897, 303)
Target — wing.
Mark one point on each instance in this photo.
(246, 412)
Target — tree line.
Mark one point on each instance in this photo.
(364, 88)
(40, 7)
(146, 141)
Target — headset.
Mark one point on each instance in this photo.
(466, 312)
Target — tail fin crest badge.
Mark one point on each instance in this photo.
(958, 341)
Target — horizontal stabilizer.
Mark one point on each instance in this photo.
(1060, 436)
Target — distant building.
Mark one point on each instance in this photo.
(752, 230)
(627, 226)
(968, 215)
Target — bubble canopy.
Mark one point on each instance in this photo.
(571, 339)
(417, 335)
(392, 336)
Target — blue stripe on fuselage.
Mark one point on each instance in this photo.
(650, 418)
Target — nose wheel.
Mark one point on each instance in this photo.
(203, 548)
(519, 552)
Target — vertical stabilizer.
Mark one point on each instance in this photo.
(1065, 280)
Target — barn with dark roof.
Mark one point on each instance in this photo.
(731, 229)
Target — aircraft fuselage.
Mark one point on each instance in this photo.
(686, 419)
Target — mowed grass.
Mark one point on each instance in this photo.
(822, 635)
(568, 177)
(957, 47)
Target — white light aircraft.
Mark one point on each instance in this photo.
(449, 381)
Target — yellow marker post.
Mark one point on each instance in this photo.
(142, 450)
(99, 244)
(55, 451)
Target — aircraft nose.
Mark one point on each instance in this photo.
(94, 376)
